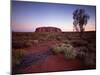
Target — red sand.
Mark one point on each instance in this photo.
(52, 63)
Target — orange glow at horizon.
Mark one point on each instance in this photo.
(29, 27)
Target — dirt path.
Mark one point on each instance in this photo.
(40, 59)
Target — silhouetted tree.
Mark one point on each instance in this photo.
(80, 20)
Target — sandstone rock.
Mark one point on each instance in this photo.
(48, 29)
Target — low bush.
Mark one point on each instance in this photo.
(87, 57)
(90, 60)
(81, 51)
(21, 44)
(17, 55)
(78, 43)
(56, 49)
(67, 49)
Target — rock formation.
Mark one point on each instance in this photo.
(47, 29)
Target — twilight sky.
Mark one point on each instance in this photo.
(27, 16)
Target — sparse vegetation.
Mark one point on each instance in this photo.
(57, 49)
(17, 55)
(79, 43)
(21, 44)
(87, 57)
(67, 43)
(90, 60)
(67, 49)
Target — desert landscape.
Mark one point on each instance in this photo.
(33, 52)
(52, 37)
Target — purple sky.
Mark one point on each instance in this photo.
(27, 16)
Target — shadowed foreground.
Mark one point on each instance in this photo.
(37, 55)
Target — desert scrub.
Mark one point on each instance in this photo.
(81, 51)
(54, 36)
(56, 49)
(28, 43)
(90, 60)
(17, 55)
(87, 57)
(19, 44)
(67, 49)
(79, 43)
(51, 36)
(66, 41)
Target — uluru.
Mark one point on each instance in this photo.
(48, 29)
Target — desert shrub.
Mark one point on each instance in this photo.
(42, 38)
(67, 49)
(28, 44)
(51, 36)
(66, 41)
(35, 41)
(59, 38)
(56, 49)
(81, 51)
(21, 44)
(17, 55)
(90, 60)
(92, 47)
(78, 43)
(18, 44)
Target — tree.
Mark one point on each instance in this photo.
(80, 20)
